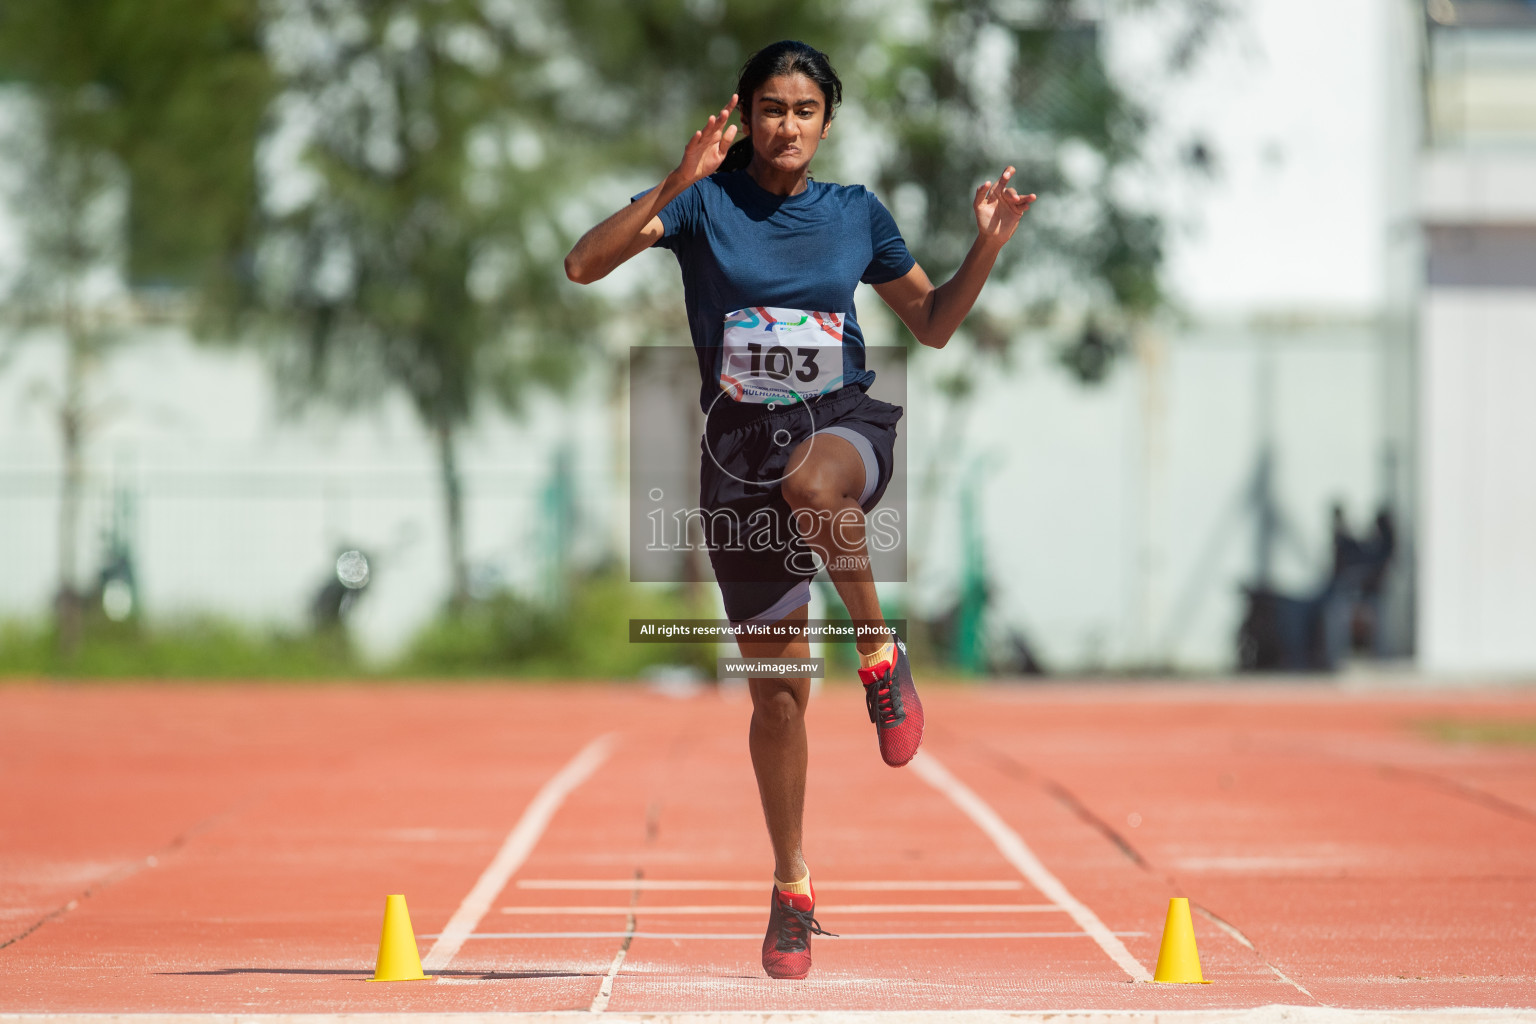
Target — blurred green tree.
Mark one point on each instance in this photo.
(963, 88)
(410, 222)
(131, 131)
(654, 70)
(970, 86)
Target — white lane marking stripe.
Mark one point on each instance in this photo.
(734, 936)
(837, 909)
(1017, 852)
(514, 850)
(1242, 939)
(689, 885)
(605, 991)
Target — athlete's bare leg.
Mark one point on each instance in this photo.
(779, 749)
(824, 480)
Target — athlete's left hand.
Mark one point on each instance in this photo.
(999, 209)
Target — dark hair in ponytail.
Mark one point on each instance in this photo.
(788, 57)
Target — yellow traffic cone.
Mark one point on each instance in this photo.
(1178, 961)
(398, 959)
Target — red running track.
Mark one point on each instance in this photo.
(229, 850)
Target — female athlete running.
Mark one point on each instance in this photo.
(794, 451)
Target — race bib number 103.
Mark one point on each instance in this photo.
(778, 356)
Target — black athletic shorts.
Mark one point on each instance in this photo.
(762, 565)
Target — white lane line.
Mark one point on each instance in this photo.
(840, 937)
(1242, 939)
(605, 991)
(705, 885)
(838, 909)
(1017, 852)
(514, 850)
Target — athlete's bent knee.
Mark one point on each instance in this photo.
(814, 487)
(776, 707)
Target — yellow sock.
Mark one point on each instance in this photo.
(887, 652)
(800, 888)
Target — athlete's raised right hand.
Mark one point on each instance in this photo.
(638, 225)
(706, 150)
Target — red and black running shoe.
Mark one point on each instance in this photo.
(787, 946)
(894, 707)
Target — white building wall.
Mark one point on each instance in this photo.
(1477, 605)
(1477, 340)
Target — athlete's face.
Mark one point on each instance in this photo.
(788, 121)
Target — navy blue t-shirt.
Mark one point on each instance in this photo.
(785, 264)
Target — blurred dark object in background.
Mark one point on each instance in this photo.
(1317, 632)
(335, 599)
(117, 587)
(950, 640)
(1366, 632)
(1091, 356)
